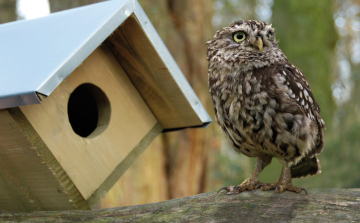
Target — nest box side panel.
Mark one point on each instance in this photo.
(91, 161)
(26, 182)
(150, 76)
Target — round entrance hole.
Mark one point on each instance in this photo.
(88, 110)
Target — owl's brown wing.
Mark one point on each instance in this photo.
(299, 91)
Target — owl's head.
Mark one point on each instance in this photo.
(244, 44)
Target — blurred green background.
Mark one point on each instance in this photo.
(321, 37)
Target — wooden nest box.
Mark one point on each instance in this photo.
(82, 94)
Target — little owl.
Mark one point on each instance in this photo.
(264, 104)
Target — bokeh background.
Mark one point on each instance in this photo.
(321, 37)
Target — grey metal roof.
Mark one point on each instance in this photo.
(37, 55)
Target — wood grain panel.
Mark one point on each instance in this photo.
(26, 182)
(151, 77)
(90, 161)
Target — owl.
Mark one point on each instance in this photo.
(264, 105)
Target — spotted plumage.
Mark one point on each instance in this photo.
(263, 103)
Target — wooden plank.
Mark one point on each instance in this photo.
(26, 182)
(140, 178)
(124, 165)
(89, 162)
(149, 74)
(73, 195)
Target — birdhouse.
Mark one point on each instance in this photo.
(82, 93)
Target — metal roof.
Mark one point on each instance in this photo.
(37, 55)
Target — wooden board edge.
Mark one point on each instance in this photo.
(124, 165)
(113, 42)
(200, 123)
(75, 196)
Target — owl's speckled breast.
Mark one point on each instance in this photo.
(240, 102)
(249, 107)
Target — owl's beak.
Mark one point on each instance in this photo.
(259, 43)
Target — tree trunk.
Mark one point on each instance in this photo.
(320, 205)
(56, 5)
(7, 11)
(192, 24)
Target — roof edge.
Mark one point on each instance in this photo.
(25, 98)
(170, 63)
(93, 41)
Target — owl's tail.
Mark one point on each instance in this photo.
(309, 165)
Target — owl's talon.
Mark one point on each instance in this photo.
(223, 188)
(303, 189)
(259, 185)
(281, 187)
(248, 184)
(276, 189)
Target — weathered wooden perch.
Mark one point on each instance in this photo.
(320, 205)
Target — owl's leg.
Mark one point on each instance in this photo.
(251, 182)
(283, 183)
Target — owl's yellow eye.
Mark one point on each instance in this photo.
(239, 36)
